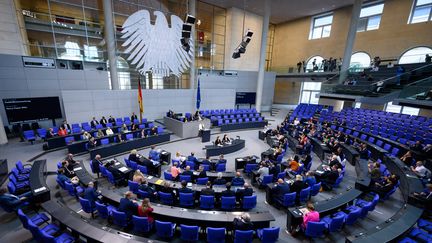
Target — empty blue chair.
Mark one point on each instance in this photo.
(63, 238)
(73, 191)
(186, 199)
(129, 136)
(186, 178)
(387, 147)
(189, 233)
(379, 143)
(250, 167)
(304, 195)
(143, 194)
(363, 136)
(228, 203)
(87, 207)
(395, 152)
(110, 177)
(168, 176)
(119, 218)
(202, 181)
(143, 169)
(50, 229)
(133, 186)
(351, 217)
(141, 224)
(289, 200)
(281, 175)
(268, 235)
(165, 229)
(221, 167)
(69, 140)
(243, 236)
(38, 219)
(104, 141)
(29, 136)
(104, 211)
(371, 139)
(205, 167)
(18, 176)
(338, 181)
(133, 165)
(315, 229)
(42, 132)
(249, 202)
(315, 189)
(334, 224)
(266, 180)
(215, 235)
(207, 202)
(22, 168)
(166, 198)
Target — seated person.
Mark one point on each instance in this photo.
(154, 154)
(293, 165)
(71, 160)
(238, 179)
(153, 131)
(92, 143)
(133, 156)
(94, 122)
(50, 133)
(86, 136)
(145, 187)
(383, 188)
(228, 192)
(206, 161)
(329, 177)
(243, 222)
(96, 163)
(274, 170)
(68, 170)
(138, 176)
(143, 133)
(184, 188)
(208, 190)
(62, 132)
(12, 202)
(334, 161)
(111, 120)
(306, 160)
(114, 171)
(311, 216)
(418, 146)
(298, 185)
(99, 133)
(425, 196)
(218, 141)
(407, 158)
(128, 206)
(310, 179)
(420, 170)
(175, 171)
(134, 127)
(226, 139)
(219, 180)
(103, 121)
(222, 159)
(124, 129)
(119, 138)
(187, 172)
(202, 173)
(246, 191)
(167, 189)
(262, 171)
(109, 131)
(279, 191)
(61, 177)
(91, 194)
(145, 210)
(192, 158)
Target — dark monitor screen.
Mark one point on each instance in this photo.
(32, 109)
(245, 98)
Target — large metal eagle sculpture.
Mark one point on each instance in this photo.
(156, 48)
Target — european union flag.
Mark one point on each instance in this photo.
(198, 99)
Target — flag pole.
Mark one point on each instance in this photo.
(140, 101)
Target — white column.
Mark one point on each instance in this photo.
(261, 68)
(192, 11)
(3, 137)
(350, 40)
(110, 43)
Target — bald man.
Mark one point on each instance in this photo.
(279, 191)
(246, 191)
(91, 194)
(238, 180)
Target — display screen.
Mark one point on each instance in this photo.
(32, 109)
(245, 98)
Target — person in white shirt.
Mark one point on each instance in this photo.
(296, 121)
(420, 170)
(109, 131)
(263, 171)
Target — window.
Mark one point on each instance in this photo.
(309, 92)
(317, 60)
(321, 27)
(357, 105)
(360, 59)
(421, 11)
(370, 17)
(402, 109)
(393, 108)
(415, 55)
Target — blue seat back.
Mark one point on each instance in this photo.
(202, 181)
(249, 202)
(315, 189)
(133, 186)
(119, 218)
(104, 141)
(186, 199)
(186, 178)
(207, 202)
(143, 169)
(166, 198)
(289, 199)
(270, 235)
(250, 167)
(228, 203)
(102, 209)
(164, 229)
(304, 195)
(353, 216)
(243, 236)
(86, 206)
(267, 179)
(315, 229)
(141, 224)
(336, 223)
(221, 167)
(168, 176)
(215, 235)
(189, 233)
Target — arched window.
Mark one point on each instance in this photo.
(360, 60)
(318, 61)
(415, 55)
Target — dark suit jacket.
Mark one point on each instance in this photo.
(227, 193)
(238, 180)
(91, 195)
(207, 192)
(280, 190)
(192, 158)
(133, 157)
(202, 174)
(241, 225)
(9, 202)
(96, 165)
(221, 181)
(93, 123)
(244, 192)
(187, 173)
(185, 190)
(330, 176)
(128, 207)
(297, 186)
(116, 173)
(103, 121)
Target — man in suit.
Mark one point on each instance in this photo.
(12, 202)
(243, 222)
(246, 191)
(68, 170)
(66, 126)
(184, 188)
(103, 121)
(114, 171)
(134, 117)
(192, 158)
(208, 191)
(91, 194)
(238, 180)
(279, 191)
(297, 186)
(222, 160)
(187, 172)
(145, 187)
(329, 177)
(71, 160)
(94, 122)
(219, 180)
(151, 168)
(228, 192)
(111, 120)
(96, 163)
(61, 177)
(128, 206)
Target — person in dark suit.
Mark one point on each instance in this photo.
(151, 168)
(418, 147)
(111, 120)
(228, 192)
(127, 206)
(92, 143)
(238, 179)
(274, 170)
(66, 126)
(226, 139)
(134, 117)
(243, 222)
(298, 185)
(103, 121)
(133, 156)
(222, 160)
(206, 161)
(91, 194)
(219, 180)
(218, 141)
(12, 202)
(208, 191)
(202, 173)
(167, 189)
(187, 172)
(246, 191)
(329, 177)
(192, 158)
(68, 170)
(153, 131)
(61, 177)
(96, 163)
(94, 122)
(363, 152)
(280, 190)
(184, 188)
(114, 171)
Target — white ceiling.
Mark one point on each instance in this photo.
(284, 10)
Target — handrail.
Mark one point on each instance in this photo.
(428, 65)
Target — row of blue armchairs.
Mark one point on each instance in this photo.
(421, 233)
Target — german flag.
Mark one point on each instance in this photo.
(140, 100)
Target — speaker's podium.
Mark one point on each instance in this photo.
(205, 135)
